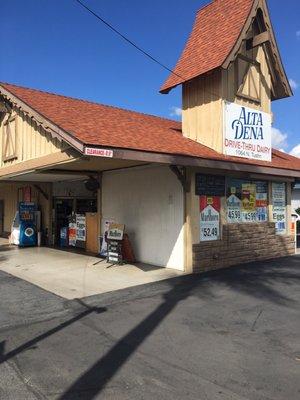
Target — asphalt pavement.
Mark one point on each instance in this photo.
(225, 335)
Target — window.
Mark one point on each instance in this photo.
(9, 144)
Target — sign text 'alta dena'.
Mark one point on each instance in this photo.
(247, 132)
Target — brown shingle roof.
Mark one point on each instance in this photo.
(216, 30)
(100, 125)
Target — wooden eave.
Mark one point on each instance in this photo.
(129, 154)
(281, 87)
(55, 131)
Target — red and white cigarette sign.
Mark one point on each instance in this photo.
(209, 218)
(92, 151)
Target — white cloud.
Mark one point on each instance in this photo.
(298, 34)
(279, 139)
(296, 151)
(294, 84)
(176, 112)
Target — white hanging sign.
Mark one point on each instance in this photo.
(279, 207)
(94, 151)
(209, 218)
(247, 132)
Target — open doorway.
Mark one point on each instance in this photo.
(63, 210)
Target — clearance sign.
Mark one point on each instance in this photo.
(247, 133)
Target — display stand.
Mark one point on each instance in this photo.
(114, 252)
(114, 244)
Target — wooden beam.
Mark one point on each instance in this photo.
(203, 163)
(3, 108)
(247, 97)
(258, 40)
(180, 173)
(248, 60)
(40, 190)
(39, 163)
(67, 172)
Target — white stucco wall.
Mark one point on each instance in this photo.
(149, 201)
(295, 199)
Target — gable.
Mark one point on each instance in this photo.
(23, 139)
(220, 30)
(248, 80)
(257, 37)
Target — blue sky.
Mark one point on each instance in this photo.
(57, 46)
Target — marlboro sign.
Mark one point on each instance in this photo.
(209, 218)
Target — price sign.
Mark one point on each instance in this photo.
(209, 218)
(249, 216)
(279, 206)
(114, 252)
(233, 209)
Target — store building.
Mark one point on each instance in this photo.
(296, 197)
(202, 194)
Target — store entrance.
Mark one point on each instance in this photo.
(76, 223)
(63, 210)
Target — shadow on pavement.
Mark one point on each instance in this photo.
(256, 280)
(252, 281)
(31, 343)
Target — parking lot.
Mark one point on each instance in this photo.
(224, 335)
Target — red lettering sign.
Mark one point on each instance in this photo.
(93, 151)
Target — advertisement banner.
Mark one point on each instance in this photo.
(27, 194)
(247, 132)
(80, 227)
(115, 231)
(234, 209)
(209, 218)
(246, 201)
(279, 207)
(107, 222)
(72, 234)
(27, 211)
(261, 201)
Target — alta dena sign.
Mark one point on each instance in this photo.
(247, 133)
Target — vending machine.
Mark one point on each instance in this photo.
(28, 228)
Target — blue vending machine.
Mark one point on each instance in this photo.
(28, 231)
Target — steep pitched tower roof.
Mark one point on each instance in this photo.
(220, 27)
